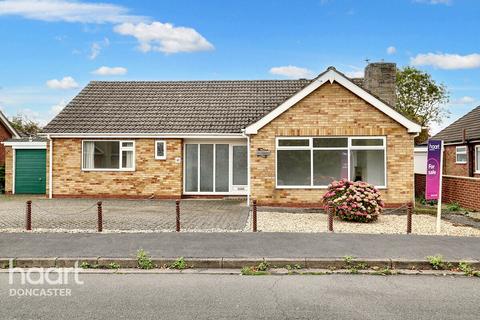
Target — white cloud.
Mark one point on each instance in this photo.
(463, 100)
(55, 109)
(97, 47)
(65, 83)
(447, 61)
(391, 50)
(355, 74)
(110, 71)
(292, 72)
(68, 11)
(447, 2)
(164, 37)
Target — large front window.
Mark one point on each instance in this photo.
(316, 162)
(108, 155)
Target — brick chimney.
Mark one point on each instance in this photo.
(380, 80)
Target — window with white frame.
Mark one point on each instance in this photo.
(105, 155)
(461, 155)
(477, 159)
(160, 150)
(317, 161)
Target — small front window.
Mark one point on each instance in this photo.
(160, 150)
(108, 155)
(461, 155)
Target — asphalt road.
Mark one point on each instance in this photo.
(196, 296)
(237, 245)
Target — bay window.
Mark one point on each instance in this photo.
(108, 155)
(316, 162)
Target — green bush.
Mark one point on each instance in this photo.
(454, 206)
(179, 264)
(144, 261)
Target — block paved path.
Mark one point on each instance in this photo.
(237, 245)
(81, 214)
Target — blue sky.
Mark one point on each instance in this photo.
(52, 48)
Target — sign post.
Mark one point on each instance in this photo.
(434, 176)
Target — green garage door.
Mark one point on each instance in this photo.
(30, 171)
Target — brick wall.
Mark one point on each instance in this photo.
(332, 111)
(450, 166)
(464, 190)
(151, 178)
(4, 135)
(8, 169)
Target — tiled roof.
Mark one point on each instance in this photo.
(27, 139)
(172, 106)
(454, 132)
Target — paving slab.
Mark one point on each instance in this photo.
(238, 245)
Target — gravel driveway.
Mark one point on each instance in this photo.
(125, 215)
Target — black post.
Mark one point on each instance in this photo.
(99, 217)
(28, 220)
(177, 209)
(254, 216)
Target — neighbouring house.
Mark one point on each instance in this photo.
(278, 141)
(7, 131)
(461, 161)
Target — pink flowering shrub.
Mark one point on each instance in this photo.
(354, 201)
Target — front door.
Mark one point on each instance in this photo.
(215, 168)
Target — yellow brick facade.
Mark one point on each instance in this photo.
(331, 110)
(151, 178)
(8, 170)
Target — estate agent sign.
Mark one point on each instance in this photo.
(434, 176)
(434, 169)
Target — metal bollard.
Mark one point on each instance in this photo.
(330, 219)
(254, 216)
(409, 217)
(28, 220)
(177, 209)
(99, 217)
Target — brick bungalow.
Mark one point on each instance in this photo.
(7, 131)
(461, 162)
(278, 141)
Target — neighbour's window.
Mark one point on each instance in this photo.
(461, 154)
(477, 158)
(108, 155)
(316, 162)
(160, 150)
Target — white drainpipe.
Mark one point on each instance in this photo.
(248, 167)
(50, 169)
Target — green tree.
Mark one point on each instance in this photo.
(23, 124)
(421, 99)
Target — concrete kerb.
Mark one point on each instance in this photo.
(234, 263)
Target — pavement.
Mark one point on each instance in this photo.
(238, 245)
(195, 296)
(125, 215)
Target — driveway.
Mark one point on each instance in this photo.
(125, 215)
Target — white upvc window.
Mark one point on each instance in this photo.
(461, 155)
(314, 162)
(477, 159)
(108, 155)
(160, 150)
